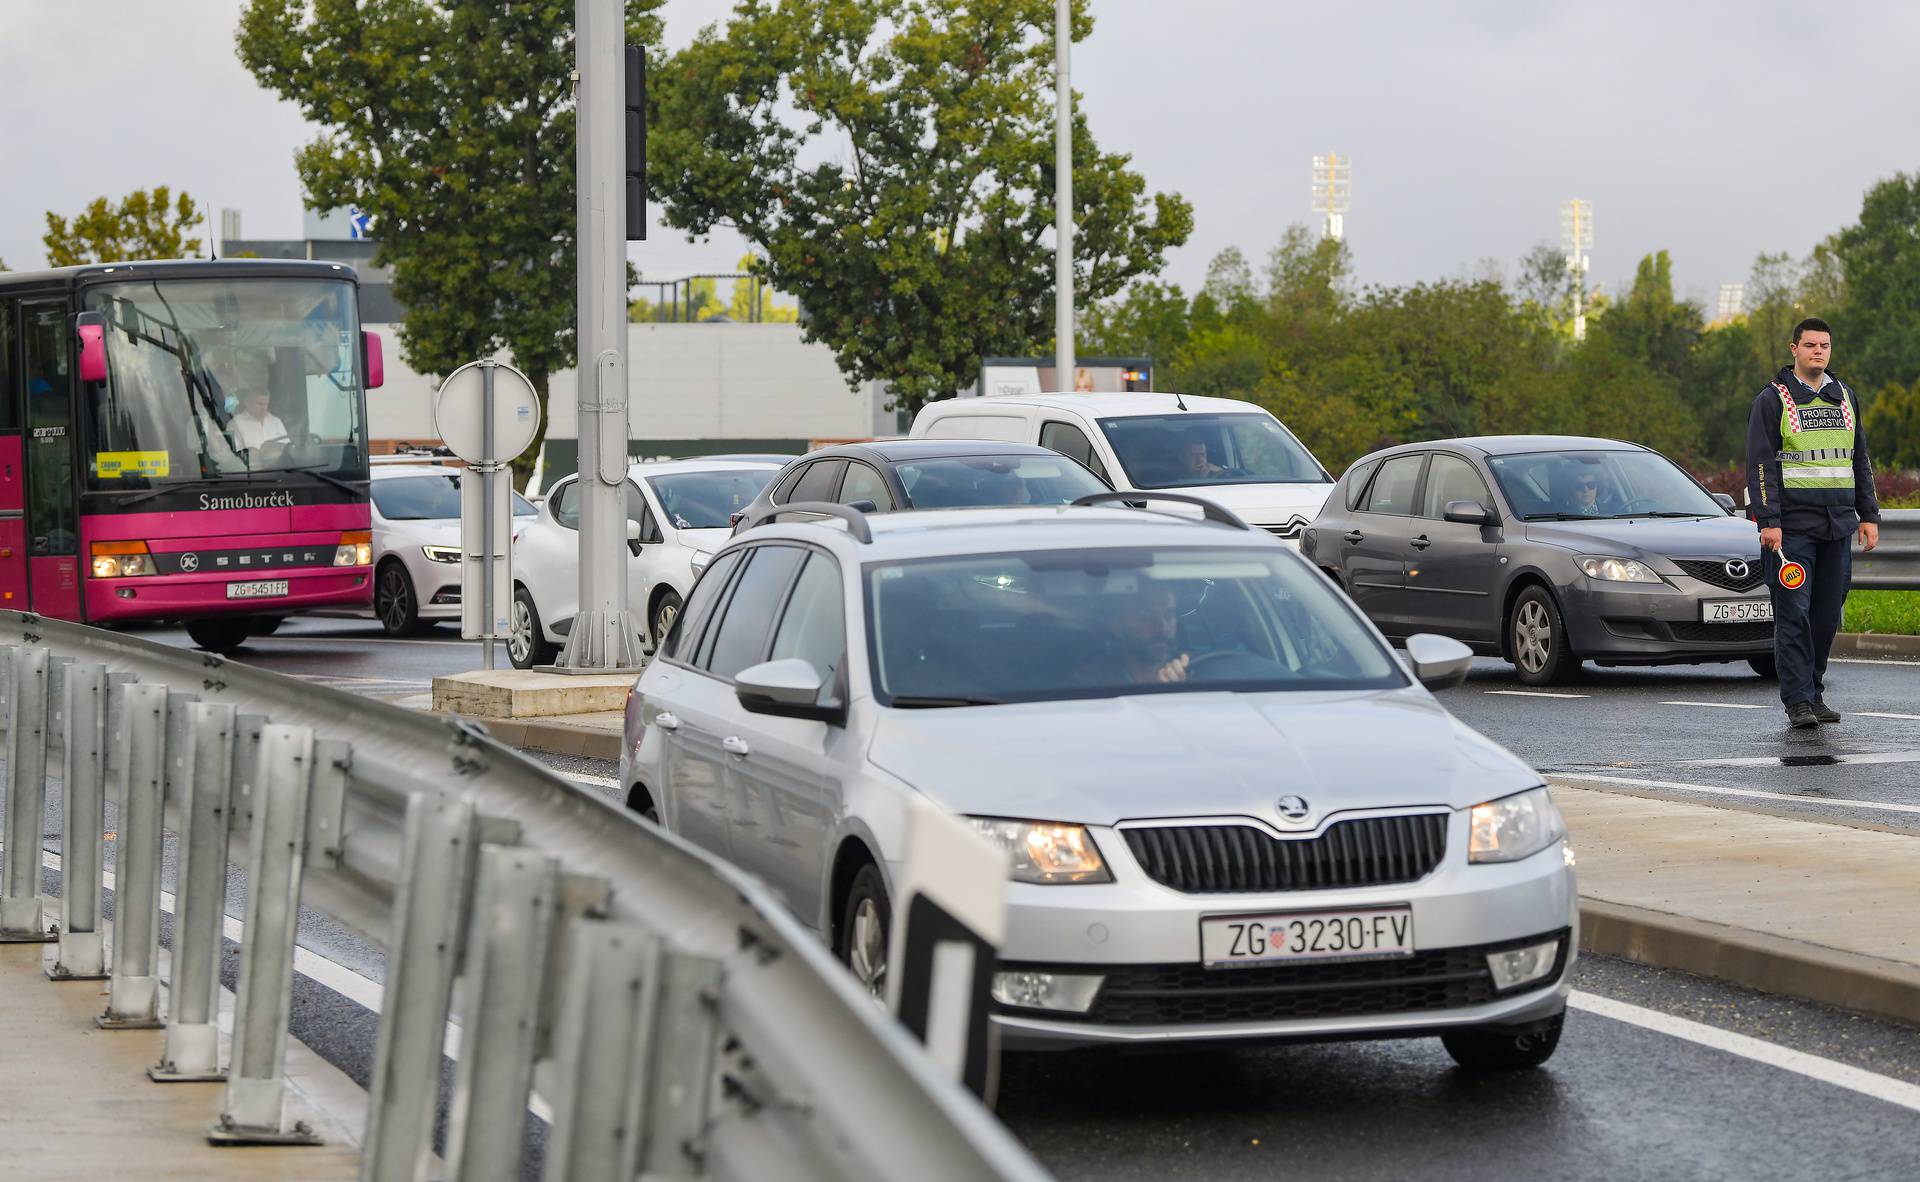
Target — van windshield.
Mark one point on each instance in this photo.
(1190, 450)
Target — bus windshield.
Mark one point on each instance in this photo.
(222, 379)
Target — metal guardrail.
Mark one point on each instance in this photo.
(676, 1018)
(1893, 565)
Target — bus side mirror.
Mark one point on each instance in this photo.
(376, 362)
(91, 328)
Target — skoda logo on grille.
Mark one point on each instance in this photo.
(189, 562)
(1293, 808)
(1737, 568)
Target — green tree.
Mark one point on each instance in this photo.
(1725, 380)
(1651, 326)
(1151, 320)
(146, 224)
(892, 161)
(1892, 426)
(452, 123)
(740, 306)
(1545, 289)
(1880, 258)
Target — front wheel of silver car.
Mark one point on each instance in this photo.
(865, 922)
(526, 643)
(1494, 1048)
(1537, 639)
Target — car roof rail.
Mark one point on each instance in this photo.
(856, 520)
(1211, 510)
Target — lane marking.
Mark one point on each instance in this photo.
(1750, 793)
(1810, 760)
(596, 781)
(1879, 714)
(1816, 1067)
(1533, 694)
(1721, 705)
(1869, 661)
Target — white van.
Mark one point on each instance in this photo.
(1228, 451)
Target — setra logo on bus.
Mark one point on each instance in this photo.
(248, 501)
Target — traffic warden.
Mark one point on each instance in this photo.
(1810, 488)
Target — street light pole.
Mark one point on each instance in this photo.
(1063, 198)
(604, 637)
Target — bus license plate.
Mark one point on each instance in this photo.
(1736, 611)
(1305, 935)
(262, 590)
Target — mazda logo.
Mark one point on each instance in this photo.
(1737, 568)
(1293, 808)
(189, 562)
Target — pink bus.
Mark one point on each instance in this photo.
(185, 441)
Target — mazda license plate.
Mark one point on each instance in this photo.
(1736, 611)
(261, 590)
(1227, 940)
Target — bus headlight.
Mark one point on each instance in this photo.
(356, 548)
(122, 560)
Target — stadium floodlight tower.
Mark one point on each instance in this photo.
(1576, 233)
(1733, 301)
(1332, 192)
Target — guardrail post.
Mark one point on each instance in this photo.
(134, 1000)
(253, 1111)
(82, 954)
(22, 918)
(604, 1031)
(429, 909)
(202, 764)
(515, 899)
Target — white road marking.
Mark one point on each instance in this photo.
(1722, 705)
(1869, 661)
(1753, 793)
(1533, 694)
(596, 781)
(1878, 714)
(1827, 1071)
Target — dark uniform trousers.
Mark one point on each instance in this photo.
(1806, 618)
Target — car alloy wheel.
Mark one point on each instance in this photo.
(663, 618)
(1532, 636)
(867, 949)
(393, 600)
(520, 639)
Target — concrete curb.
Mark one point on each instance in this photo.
(556, 738)
(1882, 988)
(1876, 644)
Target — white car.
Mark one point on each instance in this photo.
(416, 543)
(1230, 813)
(1231, 452)
(681, 508)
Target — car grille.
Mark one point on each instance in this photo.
(1179, 994)
(1694, 632)
(1211, 859)
(1714, 571)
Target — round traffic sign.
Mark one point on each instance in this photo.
(459, 414)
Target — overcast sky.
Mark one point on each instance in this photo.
(1715, 130)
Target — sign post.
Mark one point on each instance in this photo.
(487, 413)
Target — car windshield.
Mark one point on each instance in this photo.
(959, 482)
(1183, 450)
(210, 379)
(428, 498)
(1091, 623)
(708, 500)
(1576, 485)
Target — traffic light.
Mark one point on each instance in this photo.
(636, 144)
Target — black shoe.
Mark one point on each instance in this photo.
(1824, 713)
(1800, 715)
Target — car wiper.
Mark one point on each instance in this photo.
(1565, 517)
(926, 701)
(1672, 513)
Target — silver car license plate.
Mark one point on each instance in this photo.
(1291, 936)
(260, 590)
(1736, 611)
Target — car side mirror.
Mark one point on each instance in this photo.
(789, 688)
(1438, 662)
(91, 328)
(1726, 502)
(1468, 513)
(633, 536)
(376, 360)
(863, 506)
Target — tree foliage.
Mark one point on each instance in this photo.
(1877, 329)
(893, 163)
(452, 123)
(146, 224)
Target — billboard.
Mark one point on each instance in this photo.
(1038, 375)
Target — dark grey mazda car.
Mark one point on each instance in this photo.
(1547, 551)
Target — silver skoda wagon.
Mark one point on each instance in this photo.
(1230, 810)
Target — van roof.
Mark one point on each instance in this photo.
(1109, 405)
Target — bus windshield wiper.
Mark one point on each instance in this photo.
(314, 470)
(926, 701)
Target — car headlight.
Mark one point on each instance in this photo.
(1045, 851)
(1618, 570)
(1515, 827)
(441, 553)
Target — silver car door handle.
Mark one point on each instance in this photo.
(1421, 542)
(734, 745)
(1354, 537)
(666, 721)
